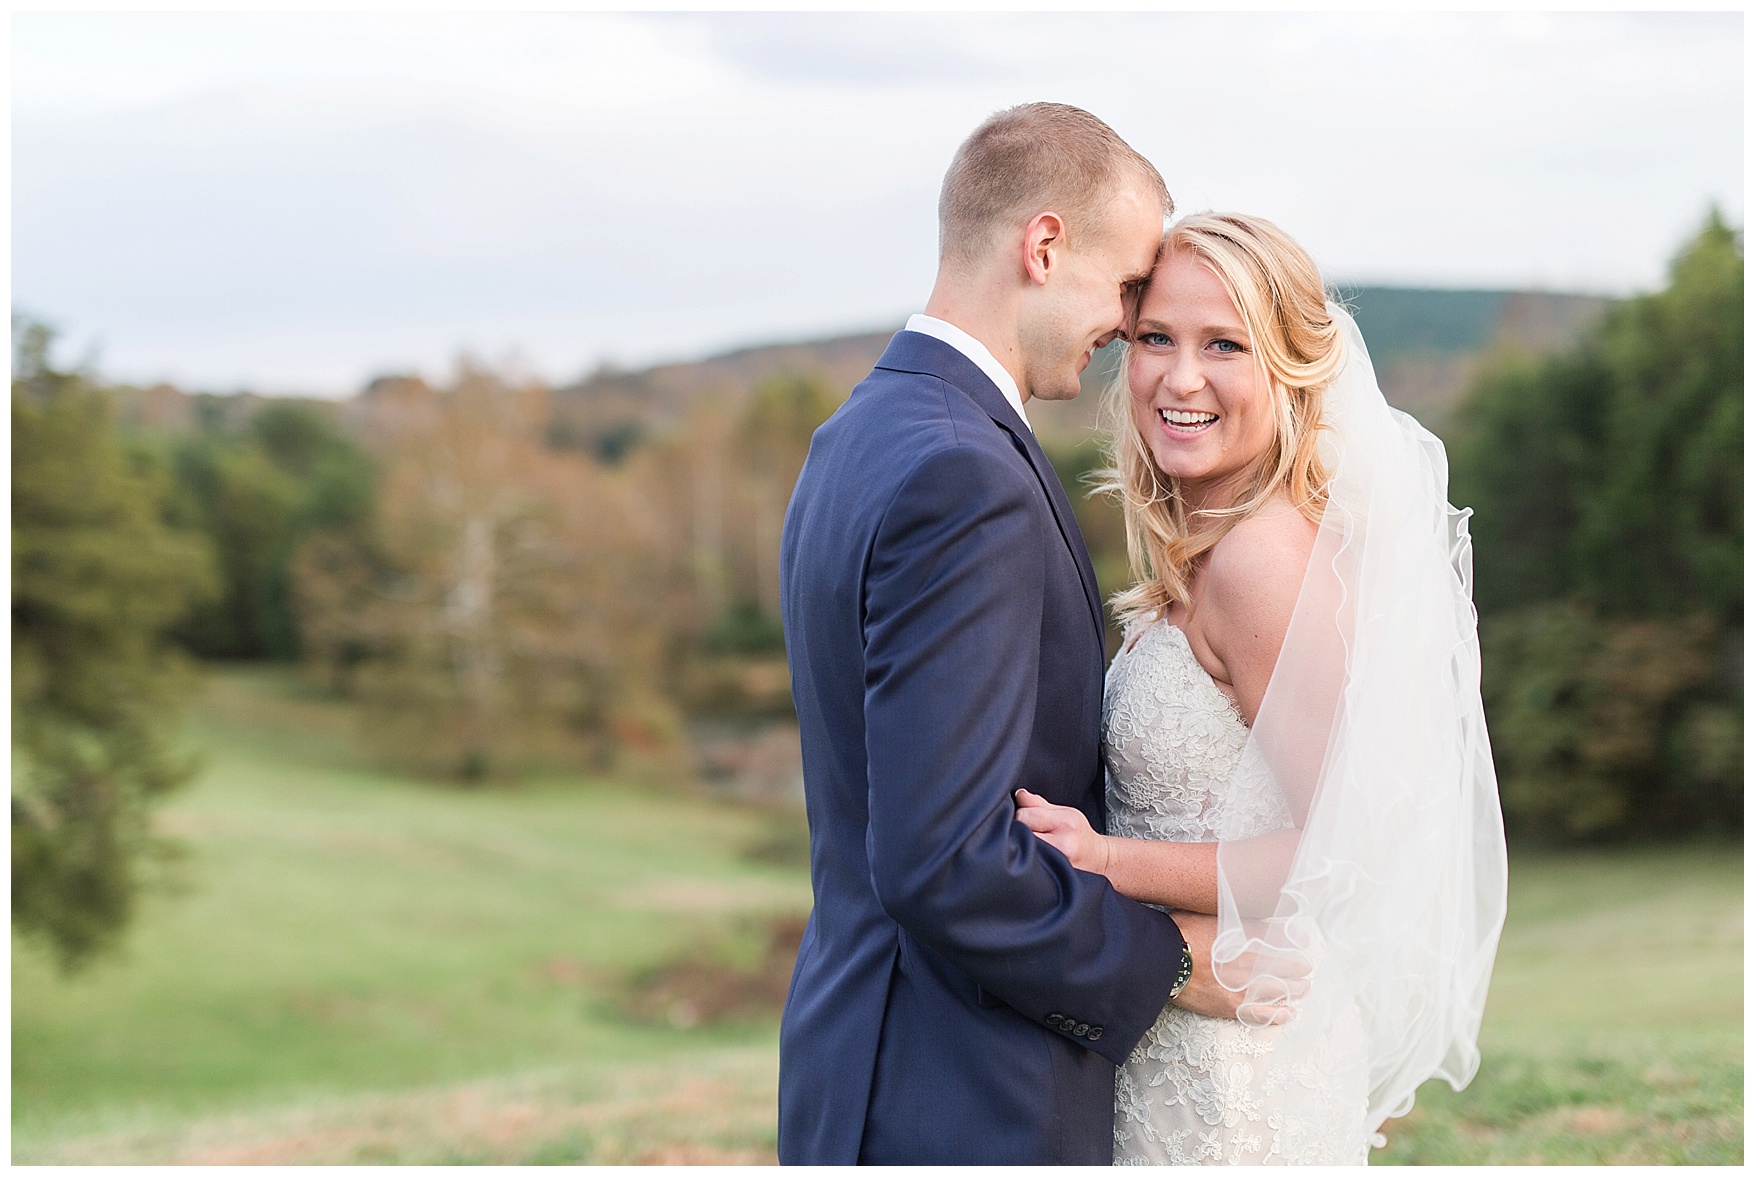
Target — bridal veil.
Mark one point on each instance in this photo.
(1385, 891)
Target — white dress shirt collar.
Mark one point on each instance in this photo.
(978, 355)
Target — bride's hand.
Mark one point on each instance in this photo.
(1066, 829)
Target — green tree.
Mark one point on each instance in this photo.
(1609, 726)
(97, 581)
(248, 508)
(335, 475)
(259, 495)
(1524, 458)
(1608, 488)
(1661, 531)
(1614, 474)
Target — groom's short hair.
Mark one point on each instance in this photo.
(1030, 159)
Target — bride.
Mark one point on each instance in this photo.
(1293, 728)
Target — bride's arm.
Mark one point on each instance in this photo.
(1183, 875)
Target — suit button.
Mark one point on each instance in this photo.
(1082, 1029)
(1055, 1020)
(1096, 1033)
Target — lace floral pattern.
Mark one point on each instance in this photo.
(1201, 1090)
(1171, 743)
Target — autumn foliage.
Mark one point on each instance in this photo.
(515, 604)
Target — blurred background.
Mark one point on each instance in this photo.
(404, 410)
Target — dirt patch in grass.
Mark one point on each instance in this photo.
(1595, 1121)
(710, 985)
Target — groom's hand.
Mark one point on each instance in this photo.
(1203, 994)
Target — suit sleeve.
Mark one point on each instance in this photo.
(952, 619)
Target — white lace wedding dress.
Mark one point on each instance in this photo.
(1201, 1090)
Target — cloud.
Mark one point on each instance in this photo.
(850, 49)
(302, 200)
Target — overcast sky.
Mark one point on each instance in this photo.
(294, 203)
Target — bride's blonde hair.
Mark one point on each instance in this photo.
(1299, 348)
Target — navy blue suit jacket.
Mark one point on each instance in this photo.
(962, 994)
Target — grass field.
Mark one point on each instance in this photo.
(362, 969)
(1614, 1029)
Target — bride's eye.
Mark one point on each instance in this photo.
(1155, 339)
(1229, 347)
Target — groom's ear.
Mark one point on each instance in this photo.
(1044, 246)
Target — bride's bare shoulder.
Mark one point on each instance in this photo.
(1248, 593)
(1255, 570)
(1261, 560)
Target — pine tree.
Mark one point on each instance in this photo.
(97, 581)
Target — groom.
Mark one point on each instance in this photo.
(962, 994)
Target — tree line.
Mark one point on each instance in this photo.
(502, 591)
(495, 595)
(1607, 484)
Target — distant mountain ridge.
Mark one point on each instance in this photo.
(1425, 344)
